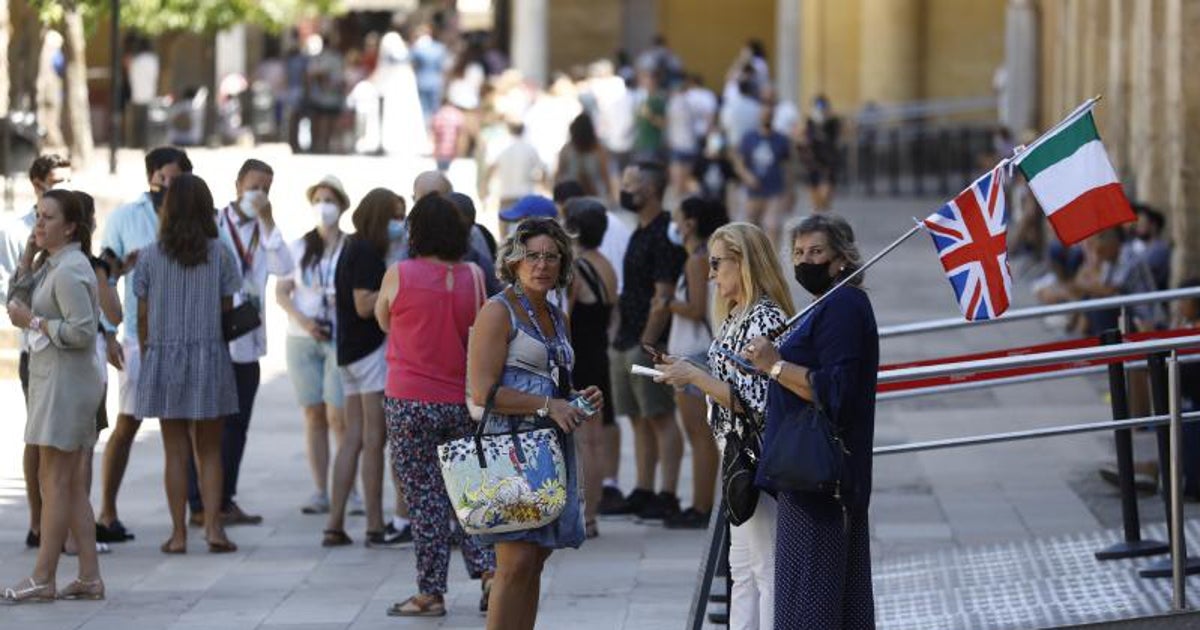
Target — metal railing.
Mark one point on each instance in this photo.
(1068, 308)
(1173, 418)
(966, 368)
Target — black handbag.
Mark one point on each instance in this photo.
(240, 320)
(802, 452)
(738, 466)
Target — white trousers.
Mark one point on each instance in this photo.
(752, 569)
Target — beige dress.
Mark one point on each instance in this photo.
(64, 377)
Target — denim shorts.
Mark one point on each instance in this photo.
(700, 359)
(312, 366)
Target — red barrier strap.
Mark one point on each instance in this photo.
(989, 375)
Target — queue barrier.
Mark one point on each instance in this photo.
(1162, 352)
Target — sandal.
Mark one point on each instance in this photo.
(336, 538)
(419, 606)
(221, 546)
(485, 582)
(91, 590)
(28, 591)
(168, 549)
(590, 529)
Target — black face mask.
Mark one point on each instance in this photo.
(814, 277)
(157, 194)
(630, 201)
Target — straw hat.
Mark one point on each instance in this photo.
(334, 184)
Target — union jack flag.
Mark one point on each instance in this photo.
(969, 233)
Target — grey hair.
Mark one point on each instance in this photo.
(840, 235)
(512, 252)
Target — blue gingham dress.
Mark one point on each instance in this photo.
(186, 370)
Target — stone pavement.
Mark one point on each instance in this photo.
(633, 576)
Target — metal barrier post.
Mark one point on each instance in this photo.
(1162, 399)
(1133, 546)
(944, 161)
(894, 161)
(918, 164)
(718, 541)
(1178, 546)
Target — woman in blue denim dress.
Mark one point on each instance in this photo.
(522, 341)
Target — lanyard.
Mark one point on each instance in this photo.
(246, 256)
(555, 348)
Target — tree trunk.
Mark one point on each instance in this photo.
(5, 28)
(24, 54)
(79, 114)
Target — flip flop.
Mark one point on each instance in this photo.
(418, 606)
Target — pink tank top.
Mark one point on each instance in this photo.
(431, 317)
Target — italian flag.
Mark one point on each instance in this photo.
(1072, 179)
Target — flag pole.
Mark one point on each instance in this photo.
(857, 272)
(916, 228)
(1088, 104)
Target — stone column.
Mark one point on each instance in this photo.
(787, 49)
(1145, 109)
(891, 51)
(1113, 110)
(530, 49)
(1018, 100)
(1182, 134)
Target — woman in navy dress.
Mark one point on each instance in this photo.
(823, 556)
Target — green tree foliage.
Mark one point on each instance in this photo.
(153, 17)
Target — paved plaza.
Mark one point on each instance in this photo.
(985, 537)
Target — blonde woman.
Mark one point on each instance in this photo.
(752, 300)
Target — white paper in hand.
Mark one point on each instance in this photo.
(642, 370)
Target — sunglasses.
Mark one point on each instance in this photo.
(714, 262)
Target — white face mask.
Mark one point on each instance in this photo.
(326, 213)
(248, 203)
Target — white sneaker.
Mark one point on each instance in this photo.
(318, 503)
(354, 504)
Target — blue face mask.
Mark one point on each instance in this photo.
(396, 229)
(674, 235)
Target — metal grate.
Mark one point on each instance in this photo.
(1025, 584)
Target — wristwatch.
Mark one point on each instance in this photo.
(544, 412)
(776, 370)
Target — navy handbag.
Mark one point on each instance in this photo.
(801, 451)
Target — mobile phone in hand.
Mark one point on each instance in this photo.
(656, 355)
(741, 363)
(581, 403)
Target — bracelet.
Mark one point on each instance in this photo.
(35, 323)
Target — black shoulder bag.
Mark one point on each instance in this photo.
(739, 464)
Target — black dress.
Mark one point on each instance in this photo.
(589, 337)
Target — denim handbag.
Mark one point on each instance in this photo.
(505, 482)
(802, 452)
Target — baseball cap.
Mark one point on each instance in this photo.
(530, 206)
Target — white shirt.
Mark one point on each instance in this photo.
(738, 117)
(703, 103)
(15, 236)
(681, 134)
(616, 241)
(268, 254)
(516, 169)
(143, 78)
(313, 294)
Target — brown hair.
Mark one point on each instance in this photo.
(188, 221)
(512, 252)
(73, 212)
(372, 215)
